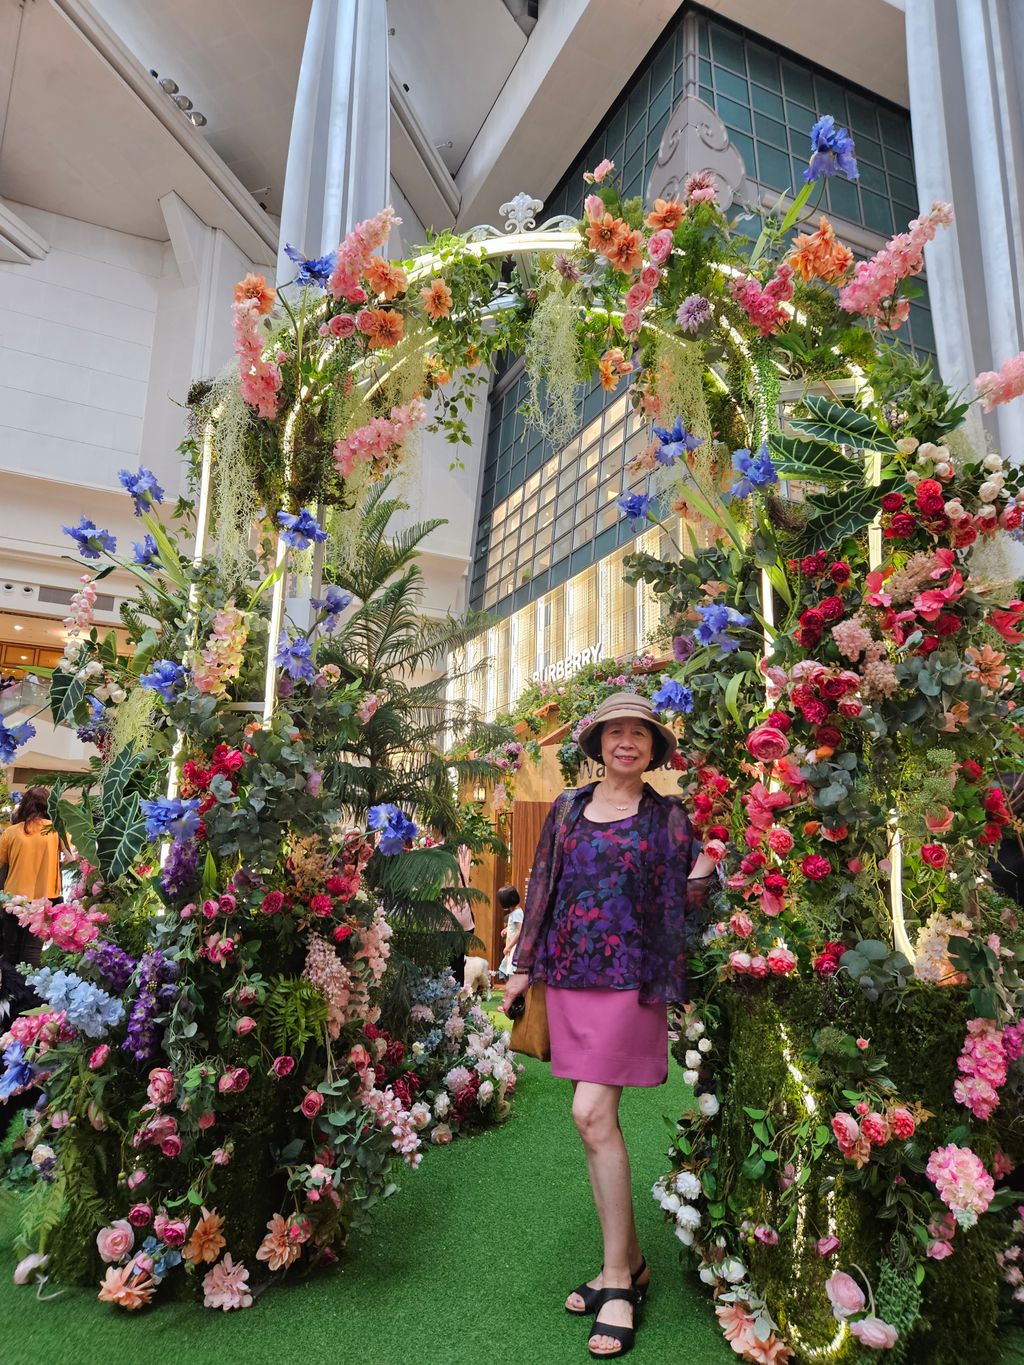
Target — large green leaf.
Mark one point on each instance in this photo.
(834, 517)
(77, 826)
(65, 694)
(119, 773)
(836, 425)
(122, 839)
(812, 462)
(144, 651)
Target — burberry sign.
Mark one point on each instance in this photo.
(572, 663)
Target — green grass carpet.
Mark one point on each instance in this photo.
(470, 1262)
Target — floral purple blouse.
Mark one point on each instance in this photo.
(613, 905)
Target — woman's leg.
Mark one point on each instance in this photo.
(595, 1111)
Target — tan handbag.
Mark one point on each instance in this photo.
(530, 1030)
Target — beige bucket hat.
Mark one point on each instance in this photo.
(627, 706)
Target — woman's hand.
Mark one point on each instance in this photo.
(703, 867)
(517, 985)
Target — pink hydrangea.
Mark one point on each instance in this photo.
(964, 1186)
(1002, 385)
(982, 1067)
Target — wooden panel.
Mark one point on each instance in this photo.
(527, 820)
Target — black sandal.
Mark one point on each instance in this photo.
(625, 1336)
(591, 1296)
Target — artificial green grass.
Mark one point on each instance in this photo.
(471, 1261)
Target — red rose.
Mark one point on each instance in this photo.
(931, 507)
(341, 933)
(312, 1103)
(965, 535)
(839, 572)
(272, 902)
(767, 744)
(990, 835)
(833, 688)
(395, 1054)
(717, 832)
(828, 737)
(815, 711)
(947, 625)
(811, 566)
(928, 488)
(928, 645)
(815, 867)
(812, 619)
(934, 855)
(850, 709)
(779, 721)
(831, 609)
(775, 882)
(971, 770)
(334, 886)
(808, 637)
(901, 526)
(826, 965)
(321, 905)
(801, 695)
(892, 502)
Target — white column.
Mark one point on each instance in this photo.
(338, 170)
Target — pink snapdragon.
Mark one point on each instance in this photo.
(1002, 385)
(259, 379)
(220, 661)
(354, 255)
(380, 441)
(874, 282)
(763, 305)
(964, 1186)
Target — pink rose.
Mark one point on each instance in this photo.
(114, 1242)
(312, 1103)
(826, 1245)
(741, 924)
(739, 962)
(228, 904)
(650, 276)
(768, 1237)
(283, 1066)
(939, 821)
(342, 325)
(715, 850)
(220, 1156)
(359, 1057)
(766, 743)
(593, 207)
(366, 708)
(934, 855)
(846, 1129)
(863, 1044)
(244, 1025)
(659, 248)
(602, 169)
(61, 1119)
(98, 1057)
(161, 1085)
(781, 961)
(171, 1146)
(938, 1251)
(903, 1124)
(844, 1294)
(173, 1233)
(631, 323)
(441, 1135)
(875, 1129)
(139, 1215)
(137, 1178)
(206, 1119)
(234, 1081)
(874, 1332)
(780, 840)
(210, 909)
(758, 966)
(638, 297)
(272, 902)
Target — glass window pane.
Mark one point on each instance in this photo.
(733, 114)
(732, 87)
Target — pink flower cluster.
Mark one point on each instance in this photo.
(1002, 385)
(964, 1186)
(642, 290)
(325, 970)
(874, 282)
(41, 1031)
(739, 1327)
(375, 948)
(780, 961)
(389, 1113)
(354, 255)
(763, 306)
(259, 379)
(379, 442)
(982, 1065)
(70, 926)
(855, 1139)
(221, 659)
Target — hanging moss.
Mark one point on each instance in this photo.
(553, 357)
(678, 367)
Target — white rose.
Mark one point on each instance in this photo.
(907, 445)
(657, 1190)
(688, 1185)
(927, 451)
(420, 1116)
(987, 513)
(954, 509)
(693, 1059)
(988, 492)
(691, 1077)
(671, 1203)
(694, 1029)
(441, 1105)
(912, 476)
(943, 470)
(707, 1275)
(685, 1236)
(708, 1105)
(93, 669)
(704, 1045)
(485, 1093)
(688, 1217)
(733, 1270)
(992, 462)
(417, 1049)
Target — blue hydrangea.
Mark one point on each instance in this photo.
(756, 471)
(143, 488)
(674, 443)
(313, 270)
(715, 621)
(91, 541)
(672, 696)
(295, 658)
(300, 530)
(167, 678)
(12, 739)
(333, 603)
(89, 1010)
(145, 552)
(394, 828)
(635, 506)
(831, 151)
(177, 817)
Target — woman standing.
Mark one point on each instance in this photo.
(614, 900)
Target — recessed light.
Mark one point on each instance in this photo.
(19, 627)
(24, 656)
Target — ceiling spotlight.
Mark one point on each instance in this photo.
(168, 86)
(183, 102)
(196, 119)
(19, 627)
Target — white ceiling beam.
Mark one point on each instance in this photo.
(18, 242)
(422, 176)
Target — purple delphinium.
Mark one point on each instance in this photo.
(157, 975)
(693, 312)
(181, 870)
(112, 963)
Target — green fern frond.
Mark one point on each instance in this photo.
(294, 1013)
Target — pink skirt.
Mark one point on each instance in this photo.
(607, 1036)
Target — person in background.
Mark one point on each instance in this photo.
(508, 899)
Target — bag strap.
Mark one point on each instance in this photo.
(561, 813)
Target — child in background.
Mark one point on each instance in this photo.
(508, 899)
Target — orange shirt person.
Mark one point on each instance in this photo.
(30, 850)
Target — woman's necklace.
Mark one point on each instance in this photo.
(613, 806)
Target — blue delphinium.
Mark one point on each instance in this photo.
(313, 270)
(299, 530)
(18, 1075)
(89, 1010)
(672, 696)
(90, 539)
(294, 657)
(756, 471)
(177, 817)
(166, 677)
(831, 151)
(715, 621)
(332, 604)
(674, 443)
(12, 739)
(394, 827)
(635, 506)
(143, 488)
(146, 552)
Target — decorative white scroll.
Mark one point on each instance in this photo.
(695, 139)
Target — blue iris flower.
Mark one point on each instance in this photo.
(333, 603)
(634, 506)
(175, 817)
(313, 270)
(715, 620)
(18, 1075)
(294, 657)
(394, 827)
(146, 552)
(12, 739)
(301, 530)
(143, 487)
(166, 677)
(757, 472)
(675, 443)
(831, 151)
(90, 539)
(672, 696)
